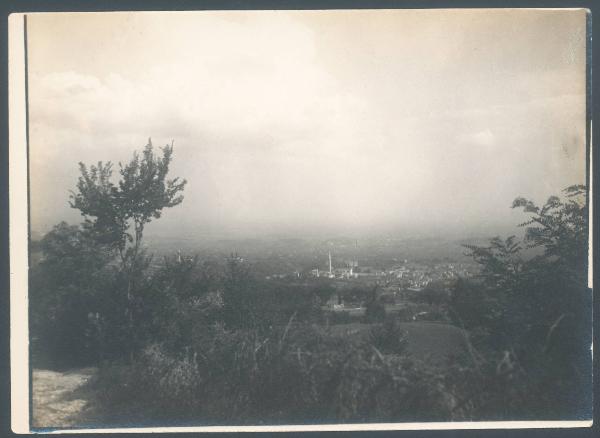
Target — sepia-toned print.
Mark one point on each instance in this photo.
(307, 218)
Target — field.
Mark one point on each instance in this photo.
(429, 341)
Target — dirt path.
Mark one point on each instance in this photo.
(60, 399)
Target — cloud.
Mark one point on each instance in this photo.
(251, 129)
(288, 117)
(483, 138)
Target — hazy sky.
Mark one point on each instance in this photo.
(298, 121)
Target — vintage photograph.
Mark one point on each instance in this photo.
(316, 217)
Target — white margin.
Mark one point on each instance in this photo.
(345, 427)
(18, 227)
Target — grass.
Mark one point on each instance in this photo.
(62, 399)
(429, 341)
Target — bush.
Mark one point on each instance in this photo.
(434, 294)
(294, 374)
(532, 315)
(66, 288)
(388, 338)
(374, 307)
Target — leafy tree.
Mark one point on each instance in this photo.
(501, 262)
(557, 278)
(65, 289)
(323, 291)
(560, 228)
(536, 310)
(356, 294)
(116, 214)
(69, 249)
(434, 294)
(551, 284)
(84, 307)
(374, 308)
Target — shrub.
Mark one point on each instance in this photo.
(374, 307)
(388, 338)
(297, 373)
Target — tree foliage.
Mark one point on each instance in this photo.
(81, 297)
(501, 262)
(216, 339)
(374, 308)
(65, 294)
(116, 214)
(532, 312)
(560, 228)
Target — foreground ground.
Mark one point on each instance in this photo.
(62, 399)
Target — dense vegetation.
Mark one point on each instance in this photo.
(208, 342)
